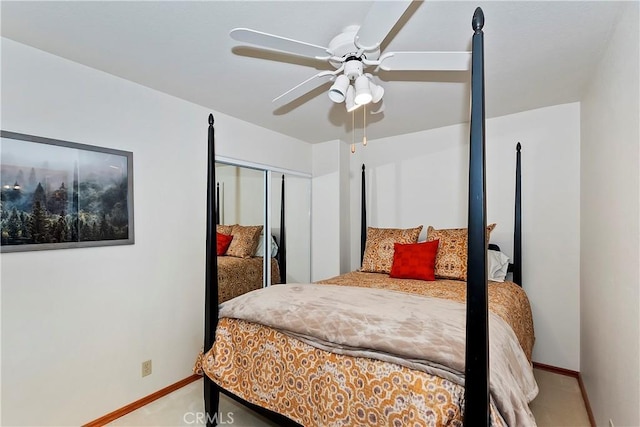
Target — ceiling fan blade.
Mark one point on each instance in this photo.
(425, 61)
(304, 87)
(379, 21)
(283, 44)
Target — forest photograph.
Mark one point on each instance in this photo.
(54, 196)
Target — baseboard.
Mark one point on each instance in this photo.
(574, 374)
(583, 390)
(556, 370)
(142, 402)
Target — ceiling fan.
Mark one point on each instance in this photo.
(352, 52)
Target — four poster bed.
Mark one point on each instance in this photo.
(240, 254)
(374, 347)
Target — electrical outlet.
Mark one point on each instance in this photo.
(146, 368)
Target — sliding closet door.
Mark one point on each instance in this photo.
(241, 195)
(252, 196)
(241, 208)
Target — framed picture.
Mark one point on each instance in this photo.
(58, 194)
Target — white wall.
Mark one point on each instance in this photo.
(422, 178)
(610, 255)
(77, 323)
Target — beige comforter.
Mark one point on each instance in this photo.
(418, 332)
(506, 299)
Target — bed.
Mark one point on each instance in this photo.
(366, 349)
(296, 352)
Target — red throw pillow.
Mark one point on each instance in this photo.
(223, 241)
(414, 260)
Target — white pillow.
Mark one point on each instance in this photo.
(260, 248)
(498, 264)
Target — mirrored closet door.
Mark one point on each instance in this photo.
(295, 253)
(240, 218)
(241, 194)
(249, 218)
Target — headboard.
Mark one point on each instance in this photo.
(515, 267)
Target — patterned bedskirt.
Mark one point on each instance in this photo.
(317, 388)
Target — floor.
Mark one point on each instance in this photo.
(559, 404)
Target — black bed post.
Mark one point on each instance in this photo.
(282, 250)
(211, 393)
(363, 218)
(517, 230)
(476, 410)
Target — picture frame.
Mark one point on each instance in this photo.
(58, 194)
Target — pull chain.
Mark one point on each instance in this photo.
(353, 132)
(364, 126)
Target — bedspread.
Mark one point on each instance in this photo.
(417, 332)
(237, 276)
(318, 388)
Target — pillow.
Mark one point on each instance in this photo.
(223, 241)
(498, 264)
(273, 247)
(224, 229)
(414, 260)
(245, 240)
(451, 260)
(378, 251)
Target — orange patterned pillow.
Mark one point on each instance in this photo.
(224, 229)
(451, 260)
(245, 240)
(378, 251)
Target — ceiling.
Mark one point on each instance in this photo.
(537, 54)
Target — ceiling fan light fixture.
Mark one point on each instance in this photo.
(338, 90)
(349, 101)
(363, 91)
(353, 69)
(356, 48)
(376, 92)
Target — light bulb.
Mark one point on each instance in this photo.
(338, 90)
(363, 92)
